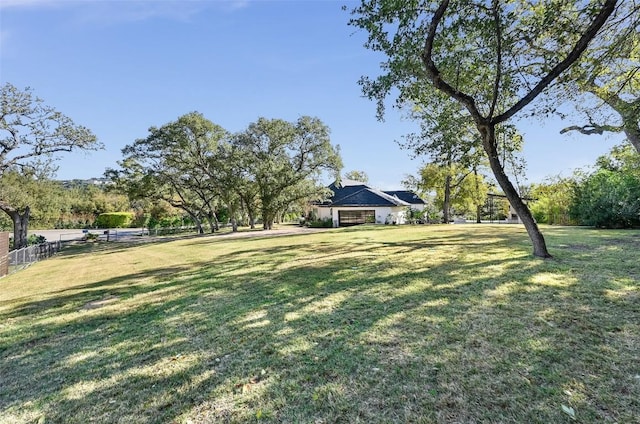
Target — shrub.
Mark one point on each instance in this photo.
(321, 223)
(91, 237)
(32, 239)
(114, 220)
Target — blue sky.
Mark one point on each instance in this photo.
(119, 67)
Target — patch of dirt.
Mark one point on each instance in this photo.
(578, 247)
(95, 304)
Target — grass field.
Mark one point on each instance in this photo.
(379, 324)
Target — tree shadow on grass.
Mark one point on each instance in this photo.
(318, 335)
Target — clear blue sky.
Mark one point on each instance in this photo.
(119, 67)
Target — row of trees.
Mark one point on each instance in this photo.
(198, 167)
(606, 196)
(191, 164)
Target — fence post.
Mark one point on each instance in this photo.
(4, 254)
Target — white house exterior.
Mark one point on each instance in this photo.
(356, 203)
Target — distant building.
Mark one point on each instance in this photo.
(354, 203)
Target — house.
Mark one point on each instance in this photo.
(356, 203)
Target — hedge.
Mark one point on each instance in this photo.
(115, 220)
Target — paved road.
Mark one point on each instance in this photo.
(77, 234)
(133, 234)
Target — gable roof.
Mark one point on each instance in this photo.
(355, 193)
(407, 196)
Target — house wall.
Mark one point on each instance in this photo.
(396, 214)
(384, 215)
(513, 217)
(323, 213)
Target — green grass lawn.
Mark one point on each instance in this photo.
(378, 324)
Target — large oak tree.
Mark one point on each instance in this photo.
(286, 161)
(174, 164)
(32, 134)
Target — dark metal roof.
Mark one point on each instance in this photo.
(358, 194)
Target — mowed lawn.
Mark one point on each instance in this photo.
(374, 324)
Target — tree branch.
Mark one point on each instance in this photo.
(592, 129)
(496, 82)
(580, 46)
(433, 73)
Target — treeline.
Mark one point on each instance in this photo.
(607, 196)
(54, 205)
(192, 172)
(198, 167)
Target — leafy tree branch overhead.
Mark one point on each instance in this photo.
(606, 81)
(479, 54)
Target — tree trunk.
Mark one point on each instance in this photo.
(198, 222)
(489, 144)
(216, 222)
(212, 225)
(478, 205)
(20, 228)
(267, 219)
(20, 224)
(234, 225)
(446, 204)
(632, 131)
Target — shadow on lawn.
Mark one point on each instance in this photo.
(327, 332)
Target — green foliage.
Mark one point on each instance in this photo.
(415, 216)
(553, 201)
(610, 196)
(286, 161)
(608, 199)
(320, 223)
(178, 163)
(32, 132)
(115, 220)
(44, 197)
(466, 190)
(609, 72)
(32, 239)
(360, 176)
(91, 237)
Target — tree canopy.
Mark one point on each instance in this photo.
(606, 80)
(287, 160)
(31, 135)
(609, 197)
(481, 55)
(175, 163)
(198, 166)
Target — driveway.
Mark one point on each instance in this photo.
(133, 234)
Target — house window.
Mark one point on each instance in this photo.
(346, 218)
